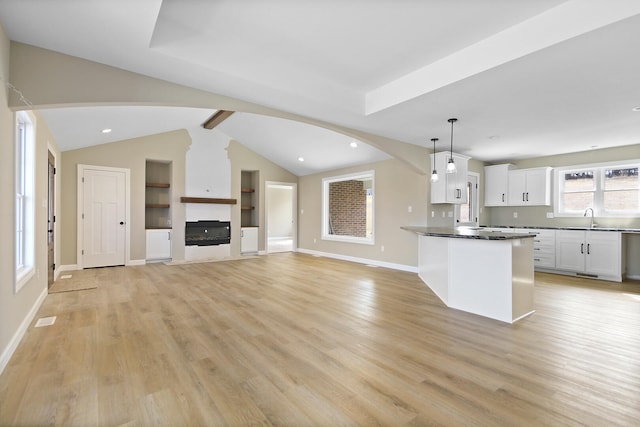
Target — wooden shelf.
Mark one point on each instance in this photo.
(208, 200)
(157, 205)
(247, 208)
(157, 185)
(247, 190)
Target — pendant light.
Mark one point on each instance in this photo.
(451, 167)
(434, 174)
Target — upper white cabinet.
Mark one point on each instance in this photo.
(529, 187)
(496, 184)
(596, 254)
(451, 187)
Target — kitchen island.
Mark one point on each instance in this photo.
(481, 272)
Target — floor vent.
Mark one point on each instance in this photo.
(45, 321)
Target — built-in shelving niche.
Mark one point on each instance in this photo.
(157, 194)
(249, 184)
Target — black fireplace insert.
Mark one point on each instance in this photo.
(207, 233)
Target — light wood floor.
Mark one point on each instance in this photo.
(291, 339)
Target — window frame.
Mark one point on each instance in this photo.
(599, 191)
(24, 220)
(325, 208)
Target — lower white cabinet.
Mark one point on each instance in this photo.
(158, 244)
(596, 254)
(248, 239)
(544, 247)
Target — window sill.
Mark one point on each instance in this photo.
(348, 239)
(23, 276)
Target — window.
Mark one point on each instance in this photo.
(25, 199)
(611, 189)
(347, 213)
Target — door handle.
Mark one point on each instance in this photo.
(121, 222)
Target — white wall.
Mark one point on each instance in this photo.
(207, 174)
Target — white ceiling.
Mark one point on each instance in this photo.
(525, 78)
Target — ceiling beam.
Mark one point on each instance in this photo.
(216, 119)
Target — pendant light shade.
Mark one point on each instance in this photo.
(451, 166)
(434, 173)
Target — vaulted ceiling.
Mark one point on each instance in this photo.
(525, 78)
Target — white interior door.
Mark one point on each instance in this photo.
(103, 217)
(466, 214)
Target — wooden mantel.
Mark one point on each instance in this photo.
(208, 200)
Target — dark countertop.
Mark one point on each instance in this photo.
(621, 230)
(465, 233)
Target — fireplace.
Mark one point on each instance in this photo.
(207, 233)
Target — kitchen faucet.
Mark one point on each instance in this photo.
(585, 214)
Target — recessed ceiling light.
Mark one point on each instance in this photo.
(301, 159)
(636, 109)
(353, 144)
(107, 130)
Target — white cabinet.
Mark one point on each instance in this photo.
(451, 187)
(248, 240)
(529, 187)
(496, 178)
(544, 247)
(158, 244)
(594, 254)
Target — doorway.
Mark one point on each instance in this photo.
(466, 214)
(280, 216)
(103, 216)
(51, 218)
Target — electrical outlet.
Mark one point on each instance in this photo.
(410, 209)
(433, 214)
(549, 214)
(450, 214)
(314, 240)
(444, 214)
(515, 214)
(381, 248)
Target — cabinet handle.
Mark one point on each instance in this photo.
(523, 197)
(588, 248)
(241, 233)
(527, 197)
(458, 193)
(581, 248)
(502, 197)
(168, 235)
(536, 249)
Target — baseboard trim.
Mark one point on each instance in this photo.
(393, 266)
(22, 329)
(632, 276)
(133, 262)
(68, 267)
